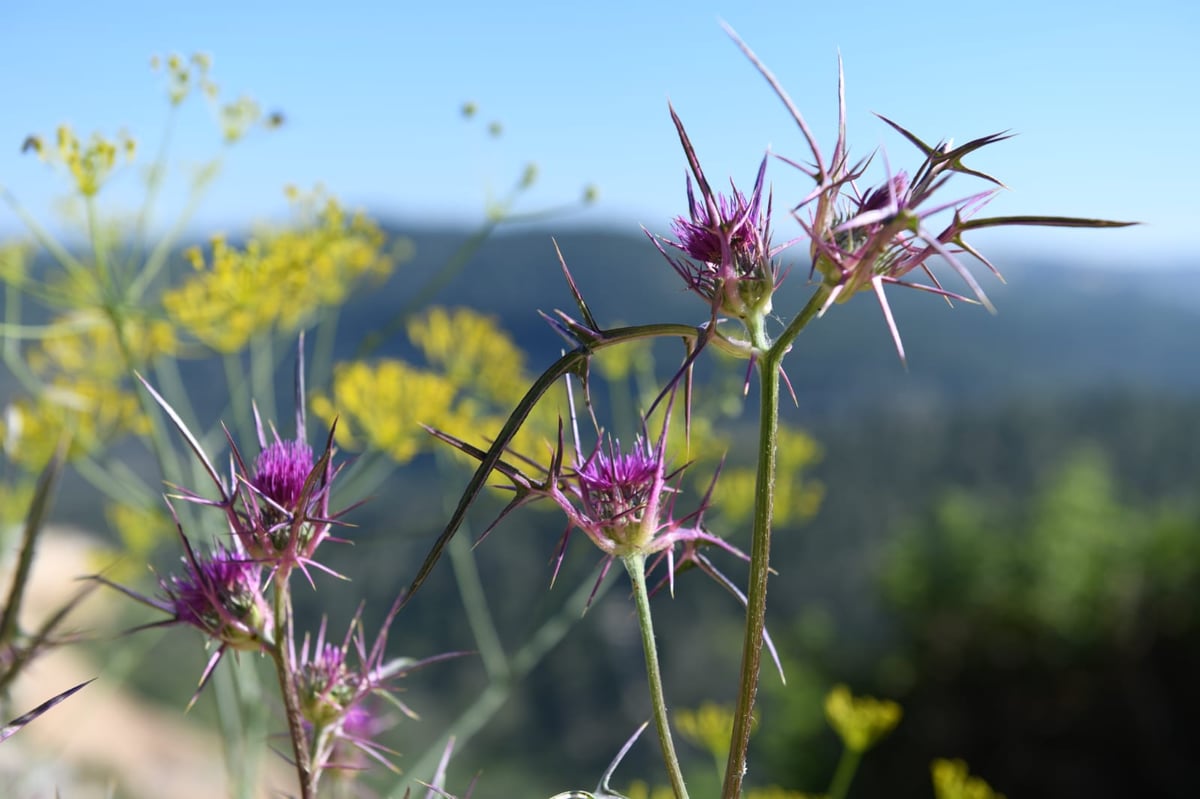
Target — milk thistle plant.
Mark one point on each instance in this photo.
(240, 596)
(623, 501)
(861, 237)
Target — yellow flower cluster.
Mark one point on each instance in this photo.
(860, 721)
(91, 412)
(708, 727)
(952, 780)
(382, 406)
(279, 280)
(239, 117)
(185, 75)
(470, 350)
(84, 394)
(473, 378)
(89, 163)
(84, 343)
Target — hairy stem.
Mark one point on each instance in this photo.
(770, 364)
(636, 566)
(285, 669)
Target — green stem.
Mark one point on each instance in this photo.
(475, 604)
(99, 252)
(760, 551)
(12, 350)
(238, 388)
(33, 527)
(262, 374)
(115, 480)
(169, 465)
(232, 733)
(489, 702)
(474, 598)
(770, 363)
(636, 566)
(283, 653)
(844, 774)
(254, 719)
(65, 259)
(320, 362)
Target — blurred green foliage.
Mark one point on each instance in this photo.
(1075, 561)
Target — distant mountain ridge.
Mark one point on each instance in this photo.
(1060, 328)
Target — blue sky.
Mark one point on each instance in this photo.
(1103, 96)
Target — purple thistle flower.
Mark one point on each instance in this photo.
(326, 685)
(221, 596)
(615, 490)
(336, 697)
(881, 197)
(880, 237)
(860, 241)
(279, 511)
(702, 238)
(281, 470)
(727, 242)
(332, 693)
(361, 724)
(620, 499)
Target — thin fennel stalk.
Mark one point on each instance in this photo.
(844, 774)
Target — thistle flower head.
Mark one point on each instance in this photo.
(221, 595)
(332, 691)
(281, 470)
(617, 489)
(326, 685)
(278, 511)
(338, 685)
(893, 192)
(361, 725)
(700, 234)
(868, 240)
(623, 500)
(726, 242)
